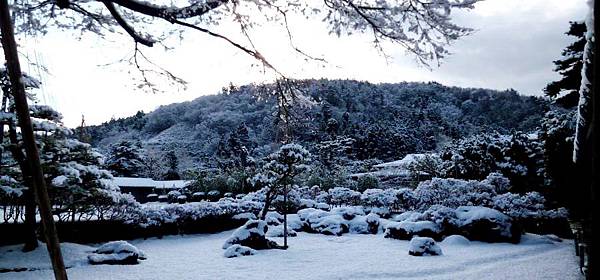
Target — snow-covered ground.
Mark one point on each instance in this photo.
(315, 256)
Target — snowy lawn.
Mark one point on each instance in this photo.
(314, 256)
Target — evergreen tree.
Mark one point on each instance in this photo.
(173, 166)
(566, 90)
(126, 159)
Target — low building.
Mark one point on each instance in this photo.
(140, 188)
(396, 173)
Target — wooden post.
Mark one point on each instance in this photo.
(285, 207)
(13, 68)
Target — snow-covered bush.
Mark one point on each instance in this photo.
(486, 224)
(527, 206)
(343, 196)
(379, 198)
(406, 199)
(500, 182)
(453, 193)
(424, 246)
(407, 230)
(277, 231)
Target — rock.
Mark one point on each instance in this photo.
(407, 230)
(116, 252)
(424, 246)
(238, 250)
(251, 234)
(485, 224)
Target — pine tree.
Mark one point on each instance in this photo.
(126, 159)
(566, 90)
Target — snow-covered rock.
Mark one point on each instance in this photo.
(407, 230)
(251, 234)
(485, 224)
(238, 251)
(424, 246)
(116, 252)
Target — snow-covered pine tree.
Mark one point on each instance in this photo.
(126, 159)
(566, 90)
(278, 175)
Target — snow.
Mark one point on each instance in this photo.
(312, 256)
(147, 182)
(456, 240)
(468, 214)
(256, 227)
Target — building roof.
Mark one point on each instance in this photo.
(149, 183)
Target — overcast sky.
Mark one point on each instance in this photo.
(515, 43)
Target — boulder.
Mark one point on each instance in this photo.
(485, 224)
(424, 246)
(407, 230)
(116, 252)
(456, 240)
(251, 234)
(238, 250)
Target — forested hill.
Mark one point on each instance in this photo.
(383, 121)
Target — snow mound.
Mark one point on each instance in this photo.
(273, 218)
(348, 212)
(238, 251)
(534, 239)
(424, 246)
(330, 225)
(456, 240)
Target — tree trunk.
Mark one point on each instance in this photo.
(592, 274)
(31, 241)
(30, 223)
(13, 68)
(285, 205)
(268, 198)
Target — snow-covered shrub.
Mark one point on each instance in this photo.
(244, 216)
(273, 218)
(453, 193)
(330, 225)
(379, 197)
(383, 212)
(238, 251)
(277, 231)
(251, 234)
(443, 216)
(500, 182)
(348, 212)
(407, 230)
(486, 224)
(424, 246)
(406, 199)
(343, 196)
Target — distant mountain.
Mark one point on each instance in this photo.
(384, 121)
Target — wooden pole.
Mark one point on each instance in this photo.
(592, 270)
(13, 67)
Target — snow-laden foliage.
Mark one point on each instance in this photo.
(453, 193)
(238, 250)
(343, 196)
(125, 159)
(379, 198)
(157, 214)
(519, 157)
